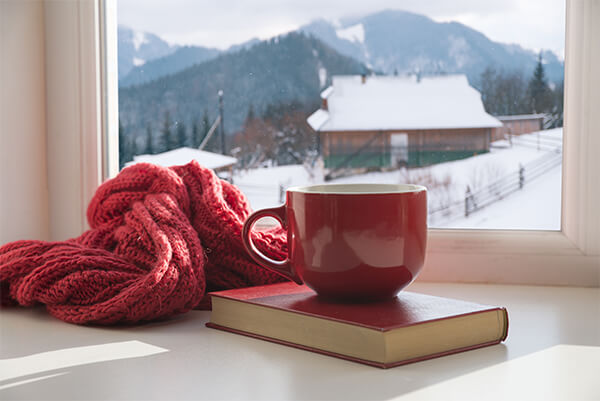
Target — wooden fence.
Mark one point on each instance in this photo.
(497, 190)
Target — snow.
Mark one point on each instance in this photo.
(138, 61)
(354, 33)
(322, 77)
(185, 155)
(335, 22)
(263, 186)
(317, 119)
(536, 207)
(394, 103)
(520, 117)
(327, 92)
(139, 38)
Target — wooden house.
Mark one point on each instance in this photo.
(518, 125)
(391, 121)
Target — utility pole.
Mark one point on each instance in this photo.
(221, 122)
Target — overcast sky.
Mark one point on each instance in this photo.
(533, 24)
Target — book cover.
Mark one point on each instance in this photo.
(408, 328)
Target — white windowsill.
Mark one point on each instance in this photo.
(209, 364)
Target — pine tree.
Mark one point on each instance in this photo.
(205, 128)
(149, 141)
(196, 138)
(250, 115)
(132, 149)
(558, 94)
(168, 138)
(205, 124)
(538, 91)
(181, 135)
(123, 156)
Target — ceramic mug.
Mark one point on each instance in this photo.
(359, 242)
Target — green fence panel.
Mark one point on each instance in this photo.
(416, 158)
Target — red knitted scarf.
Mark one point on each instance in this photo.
(160, 239)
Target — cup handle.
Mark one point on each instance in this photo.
(282, 267)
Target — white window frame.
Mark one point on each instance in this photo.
(567, 257)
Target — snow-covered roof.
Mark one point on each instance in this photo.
(327, 92)
(393, 102)
(185, 155)
(317, 119)
(521, 117)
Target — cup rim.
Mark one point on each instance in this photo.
(358, 189)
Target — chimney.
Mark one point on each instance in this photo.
(363, 78)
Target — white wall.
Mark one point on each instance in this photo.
(64, 124)
(50, 105)
(23, 178)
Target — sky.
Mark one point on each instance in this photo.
(533, 24)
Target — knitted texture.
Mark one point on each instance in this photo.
(160, 239)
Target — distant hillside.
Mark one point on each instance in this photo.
(286, 68)
(398, 41)
(137, 48)
(179, 60)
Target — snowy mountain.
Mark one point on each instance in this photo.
(137, 48)
(388, 41)
(398, 41)
(180, 59)
(284, 69)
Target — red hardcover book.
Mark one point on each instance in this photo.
(409, 328)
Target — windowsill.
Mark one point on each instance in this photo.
(209, 364)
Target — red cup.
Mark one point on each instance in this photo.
(357, 242)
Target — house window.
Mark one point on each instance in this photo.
(285, 98)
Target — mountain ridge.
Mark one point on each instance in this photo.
(136, 48)
(389, 45)
(284, 69)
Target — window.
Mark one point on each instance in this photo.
(568, 257)
(481, 118)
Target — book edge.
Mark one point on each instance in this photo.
(380, 365)
(505, 334)
(489, 308)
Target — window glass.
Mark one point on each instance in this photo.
(463, 97)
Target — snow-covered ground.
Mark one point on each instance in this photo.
(264, 186)
(535, 207)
